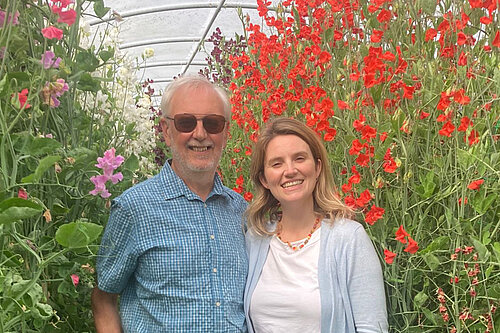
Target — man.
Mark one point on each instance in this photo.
(173, 251)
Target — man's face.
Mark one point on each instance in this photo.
(198, 152)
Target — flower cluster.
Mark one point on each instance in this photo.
(108, 163)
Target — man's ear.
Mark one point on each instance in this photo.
(165, 130)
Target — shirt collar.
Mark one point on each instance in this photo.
(176, 186)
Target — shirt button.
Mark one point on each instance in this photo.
(205, 205)
(212, 237)
(215, 270)
(217, 303)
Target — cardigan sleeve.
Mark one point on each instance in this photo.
(365, 284)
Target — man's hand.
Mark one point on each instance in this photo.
(105, 309)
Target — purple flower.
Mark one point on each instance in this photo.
(52, 90)
(108, 163)
(48, 60)
(13, 19)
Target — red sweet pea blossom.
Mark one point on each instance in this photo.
(465, 122)
(376, 36)
(401, 234)
(473, 137)
(384, 16)
(424, 115)
(330, 134)
(496, 40)
(75, 279)
(389, 256)
(21, 193)
(430, 34)
(364, 198)
(248, 196)
(368, 133)
(462, 59)
(23, 98)
(68, 17)
(412, 246)
(460, 97)
(447, 129)
(52, 32)
(475, 185)
(342, 105)
(374, 214)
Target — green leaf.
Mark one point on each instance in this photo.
(99, 8)
(43, 166)
(429, 315)
(78, 234)
(439, 243)
(14, 209)
(481, 249)
(432, 261)
(88, 83)
(106, 55)
(86, 61)
(420, 299)
(481, 203)
(40, 146)
(3, 86)
(132, 163)
(493, 291)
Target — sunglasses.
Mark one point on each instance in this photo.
(186, 123)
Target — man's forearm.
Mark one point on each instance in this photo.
(105, 310)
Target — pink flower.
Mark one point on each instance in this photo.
(52, 90)
(52, 32)
(23, 99)
(108, 163)
(48, 60)
(67, 17)
(12, 19)
(75, 279)
(21, 193)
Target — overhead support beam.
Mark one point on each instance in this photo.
(203, 36)
(173, 63)
(167, 8)
(147, 42)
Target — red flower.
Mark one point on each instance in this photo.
(473, 137)
(240, 180)
(465, 122)
(424, 114)
(248, 196)
(376, 37)
(460, 97)
(342, 105)
(364, 198)
(496, 40)
(475, 185)
(447, 129)
(363, 160)
(67, 17)
(374, 214)
(412, 246)
(462, 59)
(461, 38)
(330, 134)
(75, 279)
(430, 34)
(52, 32)
(23, 98)
(383, 136)
(401, 234)
(390, 166)
(368, 133)
(324, 57)
(384, 16)
(389, 256)
(21, 193)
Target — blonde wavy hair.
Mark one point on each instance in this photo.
(264, 206)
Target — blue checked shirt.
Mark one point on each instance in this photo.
(178, 263)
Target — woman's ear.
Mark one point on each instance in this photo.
(319, 165)
(263, 181)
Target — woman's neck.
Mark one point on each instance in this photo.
(297, 223)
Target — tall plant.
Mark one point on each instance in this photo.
(406, 98)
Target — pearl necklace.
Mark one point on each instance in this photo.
(306, 240)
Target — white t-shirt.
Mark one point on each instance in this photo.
(286, 298)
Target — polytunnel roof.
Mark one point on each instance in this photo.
(175, 30)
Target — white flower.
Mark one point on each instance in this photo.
(148, 53)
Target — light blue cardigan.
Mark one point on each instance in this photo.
(349, 273)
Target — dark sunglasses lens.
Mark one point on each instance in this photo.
(185, 122)
(214, 124)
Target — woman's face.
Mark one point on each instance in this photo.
(290, 170)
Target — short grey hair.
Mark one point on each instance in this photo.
(193, 81)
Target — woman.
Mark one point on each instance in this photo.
(311, 268)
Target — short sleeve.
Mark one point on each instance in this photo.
(117, 259)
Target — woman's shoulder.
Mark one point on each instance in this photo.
(343, 225)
